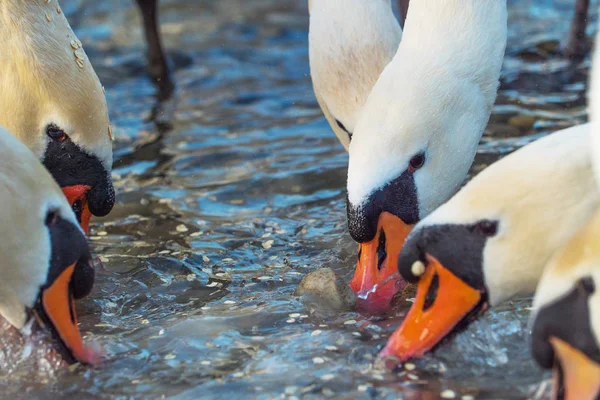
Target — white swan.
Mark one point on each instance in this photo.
(418, 133)
(491, 241)
(51, 99)
(350, 43)
(44, 256)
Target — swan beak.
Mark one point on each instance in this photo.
(58, 308)
(577, 374)
(442, 302)
(376, 279)
(77, 198)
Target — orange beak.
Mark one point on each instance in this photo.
(77, 198)
(57, 303)
(580, 375)
(443, 300)
(376, 279)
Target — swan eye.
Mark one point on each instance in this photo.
(588, 285)
(487, 228)
(55, 133)
(51, 217)
(416, 162)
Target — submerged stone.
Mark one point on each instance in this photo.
(325, 290)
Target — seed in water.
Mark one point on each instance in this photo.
(448, 394)
(181, 228)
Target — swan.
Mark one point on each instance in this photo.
(45, 261)
(52, 100)
(418, 133)
(350, 43)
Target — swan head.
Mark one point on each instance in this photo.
(491, 241)
(52, 100)
(412, 150)
(566, 318)
(417, 135)
(46, 261)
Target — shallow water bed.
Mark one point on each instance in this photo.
(221, 215)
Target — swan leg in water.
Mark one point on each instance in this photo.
(577, 43)
(403, 7)
(157, 60)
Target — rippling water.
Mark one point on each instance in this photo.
(220, 217)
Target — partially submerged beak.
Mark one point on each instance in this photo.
(577, 373)
(376, 279)
(77, 198)
(58, 310)
(443, 301)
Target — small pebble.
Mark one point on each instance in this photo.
(291, 321)
(294, 315)
(181, 228)
(327, 377)
(170, 356)
(212, 284)
(205, 362)
(331, 348)
(238, 374)
(289, 390)
(196, 234)
(102, 233)
(409, 366)
(413, 377)
(448, 394)
(205, 259)
(229, 302)
(268, 244)
(316, 332)
(144, 322)
(350, 322)
(468, 397)
(318, 360)
(363, 388)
